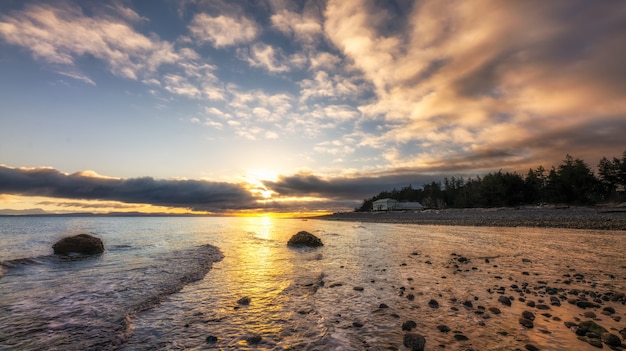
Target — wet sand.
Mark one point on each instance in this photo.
(534, 299)
(603, 218)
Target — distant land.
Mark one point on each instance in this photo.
(41, 213)
(30, 211)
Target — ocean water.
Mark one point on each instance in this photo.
(174, 284)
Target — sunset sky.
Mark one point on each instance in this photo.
(226, 106)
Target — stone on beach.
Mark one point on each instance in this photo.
(414, 341)
(81, 243)
(304, 238)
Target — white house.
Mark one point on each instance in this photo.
(385, 205)
(394, 205)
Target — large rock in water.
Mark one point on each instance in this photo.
(305, 239)
(81, 243)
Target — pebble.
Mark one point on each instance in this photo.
(494, 310)
(504, 300)
(460, 337)
(443, 328)
(527, 323)
(433, 303)
(409, 325)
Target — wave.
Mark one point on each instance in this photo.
(93, 301)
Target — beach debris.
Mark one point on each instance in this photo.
(305, 238)
(81, 243)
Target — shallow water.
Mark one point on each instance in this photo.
(300, 299)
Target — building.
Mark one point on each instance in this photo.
(394, 205)
(410, 206)
(385, 205)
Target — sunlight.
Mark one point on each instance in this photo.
(254, 180)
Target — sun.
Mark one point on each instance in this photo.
(255, 182)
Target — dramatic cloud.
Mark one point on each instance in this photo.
(352, 189)
(457, 77)
(192, 194)
(389, 92)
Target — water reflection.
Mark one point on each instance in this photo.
(387, 263)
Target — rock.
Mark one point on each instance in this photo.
(433, 303)
(494, 310)
(415, 342)
(245, 301)
(443, 328)
(608, 310)
(211, 339)
(81, 243)
(531, 347)
(528, 315)
(357, 324)
(504, 300)
(591, 326)
(589, 314)
(611, 339)
(526, 323)
(305, 239)
(460, 337)
(254, 339)
(408, 325)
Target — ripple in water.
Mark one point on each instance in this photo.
(355, 293)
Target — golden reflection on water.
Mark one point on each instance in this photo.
(257, 266)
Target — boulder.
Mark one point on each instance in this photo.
(305, 239)
(81, 243)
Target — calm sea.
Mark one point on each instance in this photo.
(174, 284)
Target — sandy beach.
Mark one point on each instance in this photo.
(602, 218)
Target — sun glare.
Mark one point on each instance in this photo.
(254, 182)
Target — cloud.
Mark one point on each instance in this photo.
(62, 35)
(223, 31)
(455, 79)
(58, 35)
(306, 28)
(352, 189)
(271, 58)
(193, 194)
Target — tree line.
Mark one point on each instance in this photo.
(571, 183)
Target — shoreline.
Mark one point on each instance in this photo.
(593, 218)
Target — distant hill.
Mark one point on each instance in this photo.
(30, 211)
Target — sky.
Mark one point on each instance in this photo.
(296, 106)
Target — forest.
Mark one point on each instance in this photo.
(570, 183)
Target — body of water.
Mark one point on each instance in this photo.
(177, 283)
